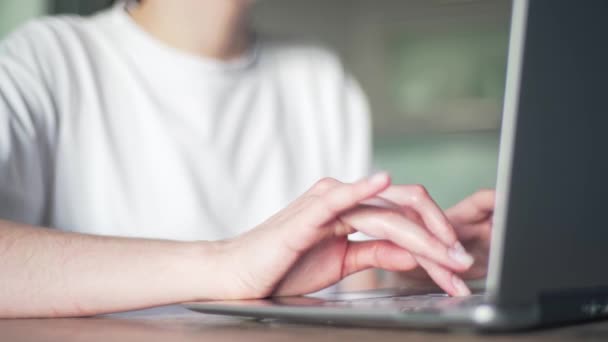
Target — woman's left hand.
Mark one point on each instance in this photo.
(472, 219)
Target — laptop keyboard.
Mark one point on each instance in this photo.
(419, 303)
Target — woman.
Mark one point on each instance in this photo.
(170, 120)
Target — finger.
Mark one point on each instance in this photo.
(410, 213)
(344, 196)
(386, 224)
(378, 254)
(447, 280)
(474, 208)
(417, 197)
(384, 203)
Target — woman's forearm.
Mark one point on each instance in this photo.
(47, 273)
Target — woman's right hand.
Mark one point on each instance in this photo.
(305, 248)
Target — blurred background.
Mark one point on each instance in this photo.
(434, 72)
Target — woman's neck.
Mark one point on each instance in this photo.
(217, 29)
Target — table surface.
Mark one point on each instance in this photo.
(174, 323)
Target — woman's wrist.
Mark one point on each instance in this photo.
(200, 268)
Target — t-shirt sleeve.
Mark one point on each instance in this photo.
(24, 149)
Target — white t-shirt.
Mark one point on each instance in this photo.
(105, 130)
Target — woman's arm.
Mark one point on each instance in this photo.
(48, 273)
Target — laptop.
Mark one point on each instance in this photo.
(549, 252)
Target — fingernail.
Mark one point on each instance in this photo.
(461, 288)
(378, 178)
(460, 255)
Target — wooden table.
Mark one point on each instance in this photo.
(176, 324)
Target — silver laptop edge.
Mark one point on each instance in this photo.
(507, 139)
